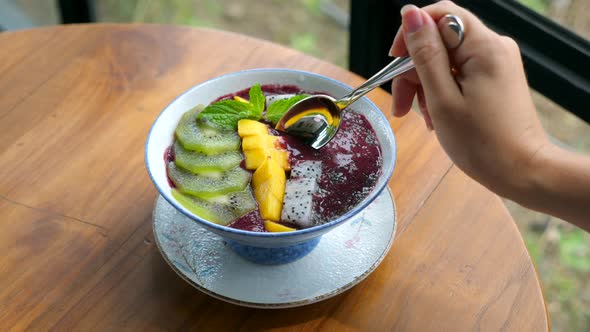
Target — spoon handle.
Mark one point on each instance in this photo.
(450, 25)
(396, 67)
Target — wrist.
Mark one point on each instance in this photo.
(558, 183)
(541, 178)
(535, 177)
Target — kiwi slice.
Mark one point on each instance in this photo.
(198, 162)
(201, 136)
(222, 209)
(208, 184)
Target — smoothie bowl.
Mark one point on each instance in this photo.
(214, 155)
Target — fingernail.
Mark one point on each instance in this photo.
(411, 18)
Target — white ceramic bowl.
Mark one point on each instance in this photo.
(265, 248)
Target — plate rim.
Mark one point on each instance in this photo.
(284, 305)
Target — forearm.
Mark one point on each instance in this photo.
(558, 183)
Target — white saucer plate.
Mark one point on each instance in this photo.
(343, 258)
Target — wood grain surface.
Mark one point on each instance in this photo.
(76, 104)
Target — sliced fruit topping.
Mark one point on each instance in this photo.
(238, 98)
(254, 158)
(308, 168)
(198, 162)
(298, 201)
(276, 227)
(198, 135)
(219, 209)
(299, 191)
(251, 127)
(270, 177)
(208, 184)
(258, 145)
(268, 183)
(281, 157)
(270, 208)
(251, 142)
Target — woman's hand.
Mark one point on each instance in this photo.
(475, 97)
(477, 100)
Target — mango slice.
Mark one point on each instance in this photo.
(274, 227)
(254, 158)
(281, 157)
(248, 127)
(263, 154)
(268, 183)
(259, 147)
(252, 142)
(238, 98)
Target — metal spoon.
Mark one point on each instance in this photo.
(316, 118)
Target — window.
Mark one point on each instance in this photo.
(23, 14)
(315, 27)
(572, 14)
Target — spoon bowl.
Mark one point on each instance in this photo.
(315, 119)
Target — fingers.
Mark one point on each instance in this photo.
(436, 11)
(425, 46)
(424, 108)
(476, 32)
(403, 92)
(404, 89)
(398, 48)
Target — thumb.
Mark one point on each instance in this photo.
(425, 46)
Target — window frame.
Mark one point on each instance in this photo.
(76, 11)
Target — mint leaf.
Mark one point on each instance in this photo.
(257, 99)
(227, 113)
(277, 109)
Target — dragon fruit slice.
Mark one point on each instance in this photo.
(310, 169)
(298, 202)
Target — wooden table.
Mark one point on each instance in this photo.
(78, 254)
